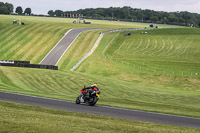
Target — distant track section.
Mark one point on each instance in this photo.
(53, 57)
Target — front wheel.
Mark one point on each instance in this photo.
(77, 100)
(93, 101)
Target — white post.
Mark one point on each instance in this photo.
(19, 22)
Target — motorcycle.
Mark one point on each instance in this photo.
(89, 97)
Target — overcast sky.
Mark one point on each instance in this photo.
(43, 6)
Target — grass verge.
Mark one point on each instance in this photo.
(24, 118)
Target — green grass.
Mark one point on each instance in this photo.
(165, 52)
(24, 118)
(30, 42)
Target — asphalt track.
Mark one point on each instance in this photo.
(102, 110)
(53, 57)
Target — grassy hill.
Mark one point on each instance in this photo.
(164, 52)
(157, 72)
(35, 39)
(160, 69)
(40, 34)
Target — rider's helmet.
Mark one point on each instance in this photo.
(95, 84)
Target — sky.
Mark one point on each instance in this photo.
(43, 6)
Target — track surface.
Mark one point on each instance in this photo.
(102, 110)
(56, 53)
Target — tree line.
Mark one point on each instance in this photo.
(19, 11)
(127, 13)
(7, 8)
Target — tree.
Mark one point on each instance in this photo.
(10, 7)
(58, 13)
(27, 11)
(51, 13)
(187, 16)
(172, 17)
(165, 20)
(154, 18)
(181, 20)
(3, 10)
(1, 4)
(19, 10)
(6, 8)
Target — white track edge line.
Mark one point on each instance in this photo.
(88, 54)
(71, 44)
(67, 48)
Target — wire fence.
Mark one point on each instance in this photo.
(130, 29)
(149, 69)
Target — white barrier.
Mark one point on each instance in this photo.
(89, 53)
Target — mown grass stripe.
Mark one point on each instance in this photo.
(47, 45)
(38, 42)
(17, 36)
(31, 44)
(154, 44)
(27, 79)
(7, 33)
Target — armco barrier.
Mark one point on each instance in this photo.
(26, 64)
(130, 29)
(22, 62)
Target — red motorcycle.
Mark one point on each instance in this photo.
(89, 97)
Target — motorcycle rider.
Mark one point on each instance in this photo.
(86, 91)
(93, 87)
